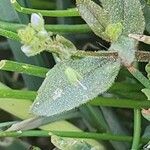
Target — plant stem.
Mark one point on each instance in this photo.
(9, 34)
(59, 28)
(17, 94)
(139, 76)
(99, 101)
(137, 129)
(73, 12)
(23, 68)
(120, 103)
(141, 56)
(89, 135)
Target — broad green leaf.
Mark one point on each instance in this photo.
(114, 9)
(57, 94)
(147, 93)
(94, 15)
(129, 12)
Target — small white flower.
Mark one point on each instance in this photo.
(37, 22)
(27, 50)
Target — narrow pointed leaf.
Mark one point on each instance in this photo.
(57, 94)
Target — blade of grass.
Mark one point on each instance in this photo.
(137, 129)
(139, 76)
(99, 101)
(97, 136)
(57, 28)
(9, 34)
(115, 127)
(52, 13)
(23, 68)
(94, 116)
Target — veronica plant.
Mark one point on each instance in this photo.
(73, 82)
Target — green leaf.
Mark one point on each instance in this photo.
(147, 93)
(12, 105)
(125, 12)
(94, 15)
(128, 12)
(71, 144)
(114, 9)
(113, 31)
(146, 11)
(57, 94)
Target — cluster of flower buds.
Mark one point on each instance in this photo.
(34, 37)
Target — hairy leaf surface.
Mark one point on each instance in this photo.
(129, 12)
(94, 15)
(57, 94)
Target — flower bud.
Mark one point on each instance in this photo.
(37, 22)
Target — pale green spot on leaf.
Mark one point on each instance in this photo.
(113, 31)
(72, 75)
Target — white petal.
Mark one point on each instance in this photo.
(26, 49)
(37, 21)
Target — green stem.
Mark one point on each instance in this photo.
(73, 12)
(9, 34)
(17, 94)
(86, 135)
(137, 129)
(120, 103)
(23, 68)
(60, 28)
(139, 76)
(99, 101)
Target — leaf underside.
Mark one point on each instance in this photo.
(57, 94)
